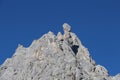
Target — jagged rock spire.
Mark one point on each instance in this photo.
(60, 36)
(53, 58)
(67, 35)
(66, 27)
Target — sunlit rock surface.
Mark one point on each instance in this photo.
(61, 57)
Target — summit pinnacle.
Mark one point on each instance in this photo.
(61, 57)
(66, 27)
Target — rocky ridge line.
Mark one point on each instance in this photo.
(61, 57)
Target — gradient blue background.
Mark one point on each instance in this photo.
(96, 22)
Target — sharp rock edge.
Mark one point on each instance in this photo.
(61, 57)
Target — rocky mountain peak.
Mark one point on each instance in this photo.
(61, 57)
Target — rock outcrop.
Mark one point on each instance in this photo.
(61, 57)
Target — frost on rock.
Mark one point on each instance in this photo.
(61, 57)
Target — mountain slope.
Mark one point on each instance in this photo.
(61, 57)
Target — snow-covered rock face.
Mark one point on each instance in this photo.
(61, 57)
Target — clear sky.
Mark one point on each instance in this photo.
(96, 22)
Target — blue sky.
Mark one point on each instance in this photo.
(96, 22)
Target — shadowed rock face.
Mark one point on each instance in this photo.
(75, 49)
(61, 57)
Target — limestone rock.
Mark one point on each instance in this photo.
(61, 57)
(66, 27)
(60, 36)
(117, 77)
